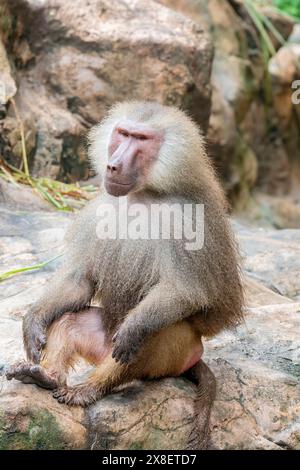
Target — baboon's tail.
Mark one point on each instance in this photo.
(206, 393)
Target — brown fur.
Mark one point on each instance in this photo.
(157, 298)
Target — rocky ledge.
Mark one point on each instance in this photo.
(257, 366)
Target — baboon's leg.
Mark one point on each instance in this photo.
(72, 336)
(102, 380)
(168, 353)
(171, 352)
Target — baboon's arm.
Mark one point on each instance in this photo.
(162, 307)
(66, 292)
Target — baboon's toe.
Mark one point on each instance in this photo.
(31, 374)
(80, 395)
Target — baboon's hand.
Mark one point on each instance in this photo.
(127, 342)
(34, 337)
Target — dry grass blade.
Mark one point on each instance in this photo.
(7, 176)
(23, 142)
(64, 197)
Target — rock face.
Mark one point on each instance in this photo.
(257, 372)
(257, 366)
(235, 80)
(250, 140)
(76, 58)
(72, 59)
(285, 77)
(273, 258)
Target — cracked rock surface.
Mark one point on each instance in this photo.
(257, 366)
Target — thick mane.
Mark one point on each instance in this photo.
(182, 165)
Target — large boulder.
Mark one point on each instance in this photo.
(248, 137)
(257, 366)
(75, 58)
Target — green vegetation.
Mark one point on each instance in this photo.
(42, 432)
(62, 196)
(265, 28)
(291, 7)
(14, 272)
(267, 31)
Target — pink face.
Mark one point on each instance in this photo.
(132, 150)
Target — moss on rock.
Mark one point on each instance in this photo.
(40, 431)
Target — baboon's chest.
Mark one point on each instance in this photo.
(125, 272)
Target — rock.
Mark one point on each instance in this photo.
(83, 63)
(144, 415)
(20, 197)
(256, 294)
(273, 258)
(71, 64)
(283, 67)
(295, 36)
(257, 366)
(7, 83)
(253, 136)
(260, 130)
(32, 420)
(258, 373)
(284, 70)
(235, 82)
(275, 212)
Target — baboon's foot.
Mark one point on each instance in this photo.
(79, 395)
(31, 374)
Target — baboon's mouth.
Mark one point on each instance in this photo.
(118, 188)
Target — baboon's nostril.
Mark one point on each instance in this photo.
(112, 168)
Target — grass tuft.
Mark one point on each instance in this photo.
(60, 195)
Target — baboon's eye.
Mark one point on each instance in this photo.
(123, 132)
(141, 137)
